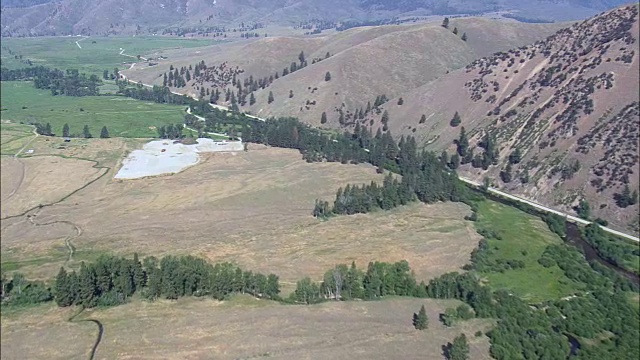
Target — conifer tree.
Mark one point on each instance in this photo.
(327, 76)
(463, 142)
(420, 320)
(62, 291)
(85, 132)
(455, 30)
(104, 133)
(459, 349)
(270, 100)
(65, 130)
(455, 121)
(445, 23)
(252, 99)
(323, 118)
(87, 286)
(464, 37)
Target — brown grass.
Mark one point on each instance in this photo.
(241, 329)
(252, 208)
(35, 186)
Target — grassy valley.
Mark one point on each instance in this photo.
(335, 225)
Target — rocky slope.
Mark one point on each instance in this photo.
(568, 104)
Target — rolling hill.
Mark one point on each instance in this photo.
(363, 63)
(93, 17)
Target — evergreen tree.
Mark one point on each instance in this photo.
(463, 142)
(327, 76)
(464, 37)
(290, 94)
(505, 174)
(104, 133)
(65, 130)
(270, 100)
(139, 277)
(47, 130)
(420, 320)
(252, 99)
(455, 121)
(444, 159)
(400, 101)
(385, 117)
(423, 119)
(515, 157)
(85, 132)
(87, 286)
(459, 349)
(323, 118)
(455, 30)
(62, 290)
(445, 23)
(455, 161)
(583, 210)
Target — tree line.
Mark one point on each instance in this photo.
(112, 280)
(46, 130)
(69, 82)
(348, 282)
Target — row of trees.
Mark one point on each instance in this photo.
(171, 131)
(346, 283)
(112, 280)
(355, 199)
(46, 130)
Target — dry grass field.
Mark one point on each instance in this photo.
(252, 208)
(207, 329)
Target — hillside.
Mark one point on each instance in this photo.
(568, 104)
(93, 17)
(363, 63)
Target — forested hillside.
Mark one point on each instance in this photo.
(556, 121)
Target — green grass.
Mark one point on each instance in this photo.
(123, 117)
(63, 53)
(524, 237)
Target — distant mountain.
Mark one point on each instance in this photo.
(62, 17)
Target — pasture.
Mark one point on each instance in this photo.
(252, 208)
(123, 117)
(94, 55)
(196, 328)
(524, 237)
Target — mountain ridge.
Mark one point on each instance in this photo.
(93, 17)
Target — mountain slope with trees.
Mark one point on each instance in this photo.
(555, 121)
